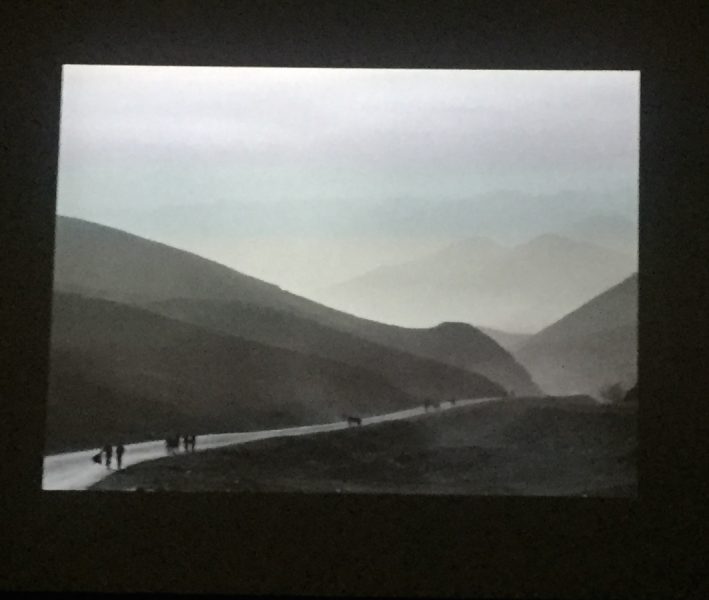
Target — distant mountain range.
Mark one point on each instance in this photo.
(609, 231)
(589, 348)
(130, 313)
(519, 289)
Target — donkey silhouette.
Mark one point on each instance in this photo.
(430, 404)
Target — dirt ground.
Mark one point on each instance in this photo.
(548, 447)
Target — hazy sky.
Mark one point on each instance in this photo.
(307, 176)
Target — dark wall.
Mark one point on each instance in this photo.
(374, 546)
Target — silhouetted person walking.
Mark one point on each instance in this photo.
(119, 454)
(186, 442)
(108, 452)
(193, 442)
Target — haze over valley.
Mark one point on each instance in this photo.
(518, 289)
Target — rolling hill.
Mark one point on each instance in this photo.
(457, 344)
(118, 369)
(420, 377)
(103, 262)
(591, 347)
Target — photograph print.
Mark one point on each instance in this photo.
(345, 281)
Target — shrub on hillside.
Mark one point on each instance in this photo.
(613, 393)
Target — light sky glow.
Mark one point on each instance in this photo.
(309, 176)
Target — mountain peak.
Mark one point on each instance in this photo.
(454, 326)
(469, 246)
(476, 241)
(549, 240)
(463, 333)
(555, 243)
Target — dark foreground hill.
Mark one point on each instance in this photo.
(555, 447)
(593, 346)
(121, 372)
(420, 377)
(103, 262)
(457, 344)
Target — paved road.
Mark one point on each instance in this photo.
(76, 471)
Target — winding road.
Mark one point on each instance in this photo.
(76, 470)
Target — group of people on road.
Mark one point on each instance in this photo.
(106, 453)
(172, 444)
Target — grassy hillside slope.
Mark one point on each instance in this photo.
(116, 368)
(591, 347)
(103, 262)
